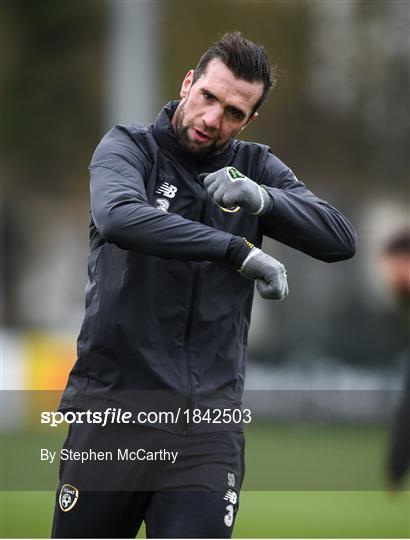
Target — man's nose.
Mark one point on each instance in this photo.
(212, 117)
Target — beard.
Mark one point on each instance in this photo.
(181, 132)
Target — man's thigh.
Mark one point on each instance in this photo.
(197, 514)
(199, 495)
(100, 499)
(100, 514)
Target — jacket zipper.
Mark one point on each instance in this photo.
(188, 328)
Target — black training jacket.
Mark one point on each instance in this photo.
(166, 319)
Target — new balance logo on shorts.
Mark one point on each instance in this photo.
(231, 496)
(168, 190)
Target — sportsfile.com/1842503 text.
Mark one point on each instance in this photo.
(112, 415)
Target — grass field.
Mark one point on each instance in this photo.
(284, 514)
(304, 481)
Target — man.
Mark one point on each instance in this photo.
(395, 266)
(179, 211)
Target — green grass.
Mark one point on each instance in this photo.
(323, 514)
(315, 457)
(320, 481)
(284, 514)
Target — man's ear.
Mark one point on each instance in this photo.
(251, 119)
(186, 84)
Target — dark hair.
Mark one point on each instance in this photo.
(244, 58)
(398, 244)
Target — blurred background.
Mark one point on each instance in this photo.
(338, 345)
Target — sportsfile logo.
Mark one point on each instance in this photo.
(168, 190)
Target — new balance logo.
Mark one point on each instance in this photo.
(231, 496)
(168, 190)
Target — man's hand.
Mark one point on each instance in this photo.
(230, 188)
(269, 274)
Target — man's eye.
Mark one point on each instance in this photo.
(207, 96)
(236, 115)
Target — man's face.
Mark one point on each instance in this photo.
(396, 273)
(214, 109)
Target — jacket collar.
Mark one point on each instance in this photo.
(165, 136)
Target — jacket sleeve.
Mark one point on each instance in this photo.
(123, 215)
(301, 220)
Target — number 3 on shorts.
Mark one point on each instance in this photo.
(228, 519)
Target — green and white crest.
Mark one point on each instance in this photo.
(235, 174)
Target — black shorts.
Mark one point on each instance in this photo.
(184, 486)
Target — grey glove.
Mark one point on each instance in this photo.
(230, 188)
(269, 274)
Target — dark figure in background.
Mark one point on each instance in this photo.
(396, 274)
(179, 211)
